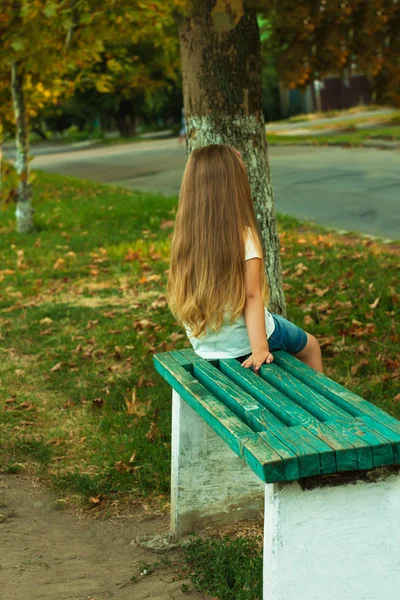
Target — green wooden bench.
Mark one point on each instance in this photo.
(323, 458)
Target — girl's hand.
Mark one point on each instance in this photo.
(257, 359)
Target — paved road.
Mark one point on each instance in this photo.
(351, 189)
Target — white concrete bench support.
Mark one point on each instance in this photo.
(209, 482)
(334, 542)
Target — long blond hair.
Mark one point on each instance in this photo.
(215, 213)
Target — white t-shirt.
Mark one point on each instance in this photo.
(231, 340)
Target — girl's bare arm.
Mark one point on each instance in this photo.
(255, 317)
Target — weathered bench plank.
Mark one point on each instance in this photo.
(264, 461)
(321, 451)
(351, 402)
(284, 428)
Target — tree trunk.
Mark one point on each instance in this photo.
(126, 119)
(221, 69)
(24, 212)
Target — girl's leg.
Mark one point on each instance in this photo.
(311, 353)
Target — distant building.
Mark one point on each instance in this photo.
(332, 93)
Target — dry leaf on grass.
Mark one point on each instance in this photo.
(149, 278)
(122, 467)
(131, 255)
(176, 336)
(55, 441)
(153, 431)
(320, 293)
(161, 302)
(166, 224)
(59, 265)
(326, 341)
(142, 324)
(375, 303)
(56, 367)
(300, 269)
(361, 363)
(135, 406)
(46, 321)
(25, 406)
(97, 402)
(96, 499)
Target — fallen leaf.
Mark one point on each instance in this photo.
(300, 269)
(56, 367)
(355, 322)
(118, 353)
(25, 406)
(96, 499)
(347, 304)
(320, 293)
(122, 467)
(46, 321)
(142, 324)
(135, 407)
(323, 307)
(69, 403)
(59, 265)
(168, 224)
(375, 303)
(176, 336)
(361, 363)
(326, 341)
(308, 320)
(131, 256)
(161, 302)
(55, 441)
(97, 402)
(153, 431)
(147, 279)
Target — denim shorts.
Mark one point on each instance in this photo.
(286, 336)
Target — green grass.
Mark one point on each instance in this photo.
(348, 138)
(331, 113)
(83, 310)
(230, 569)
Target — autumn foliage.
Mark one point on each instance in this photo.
(312, 39)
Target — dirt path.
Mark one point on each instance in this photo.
(47, 553)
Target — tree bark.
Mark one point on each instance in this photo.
(24, 211)
(221, 69)
(126, 119)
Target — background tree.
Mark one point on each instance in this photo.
(312, 39)
(51, 46)
(221, 72)
(34, 57)
(138, 67)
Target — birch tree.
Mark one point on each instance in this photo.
(31, 55)
(221, 72)
(52, 44)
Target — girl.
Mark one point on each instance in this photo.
(217, 287)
